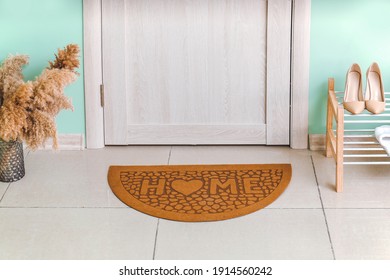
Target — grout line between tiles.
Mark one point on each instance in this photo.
(323, 209)
(60, 207)
(126, 207)
(169, 157)
(155, 239)
(1, 199)
(357, 208)
(103, 207)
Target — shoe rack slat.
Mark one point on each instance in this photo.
(354, 145)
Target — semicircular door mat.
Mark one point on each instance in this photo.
(197, 193)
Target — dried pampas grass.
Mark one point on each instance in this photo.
(11, 76)
(14, 113)
(29, 108)
(67, 58)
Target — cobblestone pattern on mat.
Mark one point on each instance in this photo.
(200, 192)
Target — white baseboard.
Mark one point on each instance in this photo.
(317, 142)
(66, 142)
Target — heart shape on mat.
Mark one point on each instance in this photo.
(187, 187)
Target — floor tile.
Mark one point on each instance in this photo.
(76, 178)
(365, 186)
(360, 233)
(59, 233)
(302, 191)
(266, 234)
(64, 209)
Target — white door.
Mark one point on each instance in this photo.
(196, 71)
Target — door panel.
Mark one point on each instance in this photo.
(114, 76)
(192, 72)
(278, 72)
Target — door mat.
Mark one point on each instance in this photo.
(197, 193)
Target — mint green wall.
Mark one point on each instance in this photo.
(344, 32)
(38, 28)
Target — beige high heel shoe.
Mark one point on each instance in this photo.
(375, 94)
(353, 95)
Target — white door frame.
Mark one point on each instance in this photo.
(299, 85)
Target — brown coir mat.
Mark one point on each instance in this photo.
(196, 193)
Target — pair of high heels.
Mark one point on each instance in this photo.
(374, 97)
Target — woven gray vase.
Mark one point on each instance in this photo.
(11, 161)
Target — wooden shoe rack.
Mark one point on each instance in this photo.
(350, 139)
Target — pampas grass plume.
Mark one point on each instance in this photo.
(28, 109)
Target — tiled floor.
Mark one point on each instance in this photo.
(64, 209)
